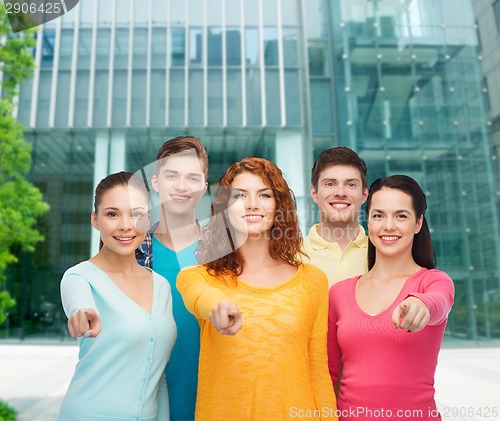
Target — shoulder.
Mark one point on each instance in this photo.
(314, 279)
(157, 277)
(313, 271)
(196, 271)
(311, 235)
(432, 279)
(432, 275)
(312, 231)
(200, 275)
(361, 239)
(343, 286)
(82, 269)
(82, 275)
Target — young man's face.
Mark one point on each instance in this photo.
(180, 183)
(340, 194)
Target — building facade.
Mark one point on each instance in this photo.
(399, 81)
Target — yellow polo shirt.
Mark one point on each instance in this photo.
(329, 257)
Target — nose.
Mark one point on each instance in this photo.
(389, 224)
(180, 185)
(340, 190)
(126, 223)
(251, 202)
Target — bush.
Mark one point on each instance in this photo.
(7, 413)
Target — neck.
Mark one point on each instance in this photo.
(177, 231)
(338, 232)
(394, 266)
(112, 262)
(255, 253)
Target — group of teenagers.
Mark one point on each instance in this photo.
(243, 318)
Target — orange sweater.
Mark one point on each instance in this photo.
(275, 367)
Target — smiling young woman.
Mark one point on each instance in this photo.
(386, 327)
(253, 279)
(121, 314)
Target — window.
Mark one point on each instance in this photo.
(496, 11)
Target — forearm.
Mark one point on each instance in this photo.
(438, 297)
(162, 396)
(199, 296)
(322, 384)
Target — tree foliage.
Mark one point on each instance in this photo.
(20, 201)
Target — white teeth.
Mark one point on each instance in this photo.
(339, 205)
(387, 238)
(124, 239)
(179, 197)
(252, 217)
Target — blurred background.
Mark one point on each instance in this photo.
(412, 85)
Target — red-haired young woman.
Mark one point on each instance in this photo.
(252, 283)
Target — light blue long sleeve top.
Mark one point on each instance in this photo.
(120, 374)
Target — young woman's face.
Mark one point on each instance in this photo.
(251, 206)
(122, 219)
(392, 222)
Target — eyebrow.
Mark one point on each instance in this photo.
(336, 179)
(177, 172)
(258, 191)
(117, 209)
(396, 211)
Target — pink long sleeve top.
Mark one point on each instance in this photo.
(387, 373)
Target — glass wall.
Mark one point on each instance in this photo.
(398, 81)
(409, 99)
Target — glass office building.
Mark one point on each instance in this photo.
(399, 81)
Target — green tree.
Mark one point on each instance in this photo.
(20, 201)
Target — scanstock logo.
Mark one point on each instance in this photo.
(25, 14)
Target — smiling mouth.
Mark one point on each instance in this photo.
(389, 237)
(339, 205)
(124, 239)
(253, 218)
(179, 198)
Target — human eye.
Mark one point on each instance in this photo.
(170, 176)
(402, 216)
(111, 214)
(137, 214)
(238, 195)
(376, 215)
(352, 185)
(266, 194)
(329, 183)
(194, 179)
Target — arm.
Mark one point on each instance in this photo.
(429, 307)
(79, 306)
(208, 302)
(163, 413)
(334, 352)
(321, 382)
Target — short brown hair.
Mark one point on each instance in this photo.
(339, 155)
(182, 144)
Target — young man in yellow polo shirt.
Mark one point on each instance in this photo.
(338, 244)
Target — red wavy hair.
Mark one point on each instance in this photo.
(217, 238)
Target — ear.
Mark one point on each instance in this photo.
(420, 222)
(314, 194)
(205, 187)
(93, 220)
(365, 195)
(154, 183)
